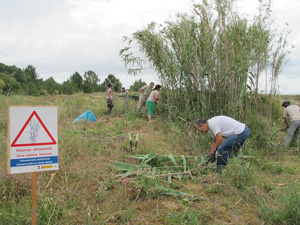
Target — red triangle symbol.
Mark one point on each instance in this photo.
(52, 142)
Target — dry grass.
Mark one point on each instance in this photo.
(93, 195)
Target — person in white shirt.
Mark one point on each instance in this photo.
(293, 112)
(219, 127)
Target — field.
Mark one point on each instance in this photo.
(168, 180)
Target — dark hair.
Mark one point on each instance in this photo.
(123, 88)
(156, 87)
(109, 85)
(151, 83)
(286, 103)
(201, 121)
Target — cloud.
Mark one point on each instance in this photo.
(60, 37)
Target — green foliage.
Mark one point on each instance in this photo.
(32, 85)
(160, 164)
(51, 85)
(68, 87)
(9, 85)
(165, 182)
(189, 215)
(77, 79)
(209, 64)
(137, 84)
(8, 69)
(50, 209)
(287, 213)
(117, 85)
(239, 174)
(2, 85)
(90, 83)
(15, 213)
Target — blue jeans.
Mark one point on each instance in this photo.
(231, 145)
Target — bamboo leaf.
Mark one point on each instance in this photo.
(179, 176)
(150, 157)
(154, 171)
(125, 166)
(172, 159)
(170, 179)
(184, 163)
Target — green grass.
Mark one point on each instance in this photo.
(258, 190)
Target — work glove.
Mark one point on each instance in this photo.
(211, 157)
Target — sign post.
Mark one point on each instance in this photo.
(32, 143)
(33, 198)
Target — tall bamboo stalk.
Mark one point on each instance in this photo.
(211, 61)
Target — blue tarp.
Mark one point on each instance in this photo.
(86, 116)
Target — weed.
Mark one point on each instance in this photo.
(49, 210)
(145, 185)
(288, 212)
(239, 174)
(190, 214)
(15, 213)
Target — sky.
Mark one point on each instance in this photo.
(60, 37)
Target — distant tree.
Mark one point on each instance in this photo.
(32, 83)
(50, 85)
(111, 79)
(77, 79)
(19, 75)
(10, 84)
(68, 87)
(90, 83)
(137, 85)
(2, 85)
(8, 70)
(13, 72)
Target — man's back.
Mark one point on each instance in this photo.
(293, 111)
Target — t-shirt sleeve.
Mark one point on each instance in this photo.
(215, 129)
(285, 113)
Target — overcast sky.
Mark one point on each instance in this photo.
(60, 37)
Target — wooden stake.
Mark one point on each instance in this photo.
(33, 198)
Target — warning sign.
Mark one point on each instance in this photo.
(33, 130)
(32, 140)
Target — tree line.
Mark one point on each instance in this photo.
(14, 80)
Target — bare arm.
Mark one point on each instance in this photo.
(156, 98)
(286, 122)
(217, 141)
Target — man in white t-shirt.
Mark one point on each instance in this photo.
(219, 127)
(293, 112)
